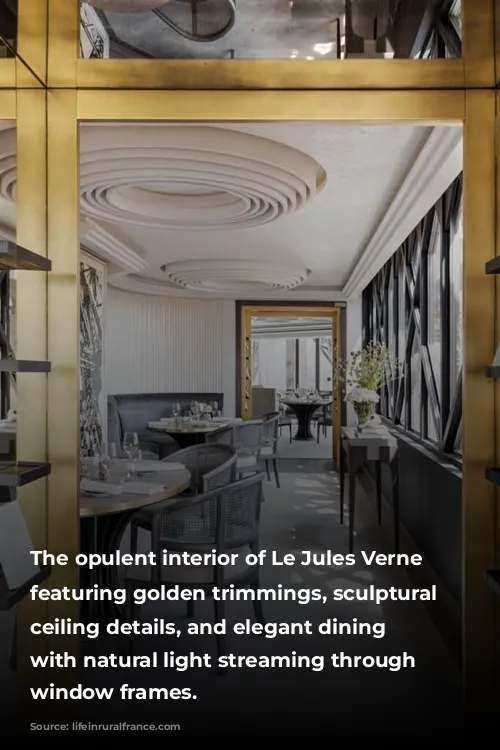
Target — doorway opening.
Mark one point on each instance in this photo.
(298, 394)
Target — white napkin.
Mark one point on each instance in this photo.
(156, 466)
(89, 485)
(141, 488)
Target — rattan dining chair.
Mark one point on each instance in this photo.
(211, 466)
(246, 437)
(324, 421)
(270, 443)
(285, 420)
(227, 520)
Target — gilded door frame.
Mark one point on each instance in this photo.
(245, 355)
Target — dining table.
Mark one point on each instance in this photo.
(304, 410)
(103, 521)
(191, 432)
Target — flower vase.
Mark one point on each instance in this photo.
(363, 411)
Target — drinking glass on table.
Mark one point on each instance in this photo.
(131, 445)
(176, 410)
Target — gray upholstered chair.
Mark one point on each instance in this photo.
(246, 437)
(211, 466)
(227, 520)
(270, 444)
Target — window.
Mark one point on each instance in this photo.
(419, 292)
(416, 387)
(434, 298)
(456, 299)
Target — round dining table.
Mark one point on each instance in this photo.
(186, 434)
(103, 521)
(304, 410)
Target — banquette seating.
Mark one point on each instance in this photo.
(133, 412)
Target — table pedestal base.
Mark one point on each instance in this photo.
(102, 535)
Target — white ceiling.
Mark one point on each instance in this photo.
(320, 237)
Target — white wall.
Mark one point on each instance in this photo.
(162, 344)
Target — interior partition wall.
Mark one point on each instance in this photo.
(48, 90)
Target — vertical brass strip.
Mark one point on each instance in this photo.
(63, 48)
(478, 396)
(32, 344)
(478, 42)
(32, 20)
(63, 321)
(497, 400)
(337, 391)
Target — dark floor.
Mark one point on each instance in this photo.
(371, 703)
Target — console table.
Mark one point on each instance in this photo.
(357, 450)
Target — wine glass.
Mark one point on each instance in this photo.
(215, 409)
(131, 445)
(176, 410)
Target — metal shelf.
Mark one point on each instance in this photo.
(13, 257)
(24, 365)
(493, 266)
(493, 580)
(10, 597)
(22, 472)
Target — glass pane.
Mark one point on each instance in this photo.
(458, 447)
(260, 29)
(456, 312)
(456, 16)
(402, 325)
(416, 394)
(391, 323)
(8, 28)
(326, 354)
(434, 300)
(432, 433)
(290, 364)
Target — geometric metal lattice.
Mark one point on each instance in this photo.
(413, 306)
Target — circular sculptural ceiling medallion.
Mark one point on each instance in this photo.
(225, 276)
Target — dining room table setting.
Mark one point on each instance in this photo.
(112, 489)
(304, 404)
(192, 428)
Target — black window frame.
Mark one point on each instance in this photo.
(439, 400)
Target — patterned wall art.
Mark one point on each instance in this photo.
(92, 392)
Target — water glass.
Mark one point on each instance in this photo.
(176, 410)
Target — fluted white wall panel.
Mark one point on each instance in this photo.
(161, 344)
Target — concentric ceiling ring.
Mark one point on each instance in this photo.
(185, 177)
(193, 178)
(233, 276)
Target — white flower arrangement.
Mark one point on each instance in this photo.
(362, 396)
